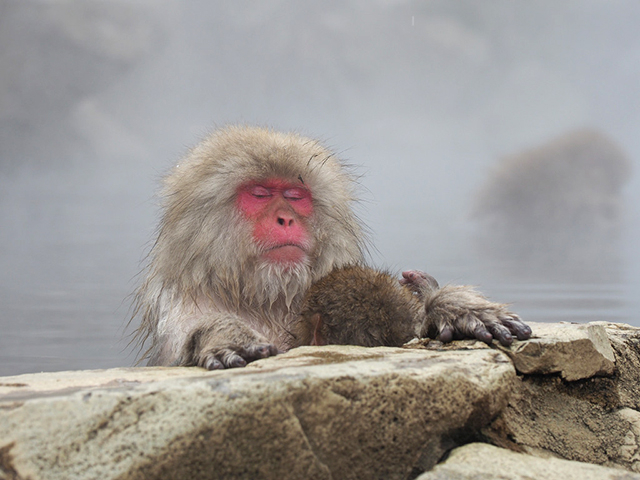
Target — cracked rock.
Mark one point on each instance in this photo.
(314, 413)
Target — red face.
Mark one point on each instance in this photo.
(279, 211)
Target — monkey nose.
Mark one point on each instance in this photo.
(285, 220)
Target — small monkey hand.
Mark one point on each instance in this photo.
(419, 282)
(457, 312)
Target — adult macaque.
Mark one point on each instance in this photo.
(556, 207)
(252, 218)
(357, 305)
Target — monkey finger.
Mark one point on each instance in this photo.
(470, 326)
(272, 350)
(446, 334)
(417, 278)
(213, 359)
(230, 358)
(482, 334)
(235, 361)
(212, 363)
(409, 280)
(517, 327)
(411, 276)
(500, 333)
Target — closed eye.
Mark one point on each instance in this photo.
(260, 192)
(295, 194)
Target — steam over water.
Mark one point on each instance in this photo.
(431, 100)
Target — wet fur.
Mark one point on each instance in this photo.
(360, 306)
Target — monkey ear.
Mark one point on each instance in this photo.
(316, 321)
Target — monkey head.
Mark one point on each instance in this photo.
(358, 305)
(251, 214)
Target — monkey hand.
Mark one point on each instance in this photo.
(232, 356)
(457, 312)
(419, 282)
(208, 349)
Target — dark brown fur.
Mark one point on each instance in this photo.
(358, 306)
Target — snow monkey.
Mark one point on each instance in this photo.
(251, 219)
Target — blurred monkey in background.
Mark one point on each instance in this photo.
(555, 207)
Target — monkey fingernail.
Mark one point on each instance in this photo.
(446, 335)
(213, 364)
(523, 332)
(235, 361)
(484, 336)
(516, 327)
(265, 351)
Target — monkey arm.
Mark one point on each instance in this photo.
(225, 341)
(459, 311)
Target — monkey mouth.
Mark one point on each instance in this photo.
(286, 253)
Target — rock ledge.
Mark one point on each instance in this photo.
(342, 412)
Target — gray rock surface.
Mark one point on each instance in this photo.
(335, 412)
(479, 461)
(574, 351)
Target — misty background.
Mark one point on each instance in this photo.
(98, 99)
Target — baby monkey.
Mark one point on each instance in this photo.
(357, 305)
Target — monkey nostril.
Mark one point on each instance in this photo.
(285, 222)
